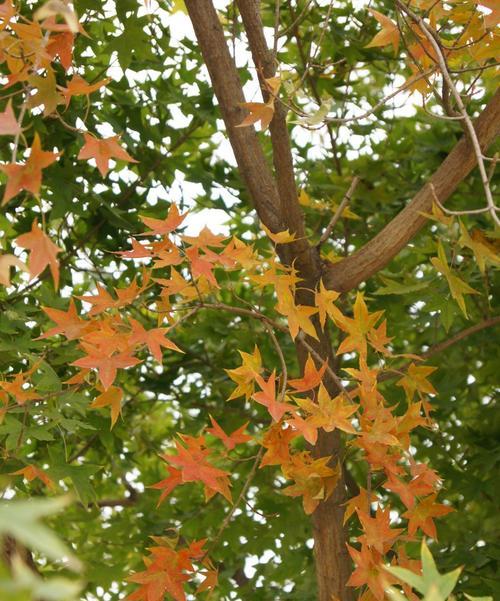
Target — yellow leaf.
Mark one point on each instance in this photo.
(389, 33)
(482, 248)
(284, 237)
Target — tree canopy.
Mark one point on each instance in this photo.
(248, 293)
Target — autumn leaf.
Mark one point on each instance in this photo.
(284, 237)
(46, 92)
(163, 227)
(229, 441)
(18, 389)
(314, 479)
(61, 8)
(311, 378)
(112, 397)
(68, 322)
(31, 472)
(9, 125)
(154, 339)
(6, 262)
(415, 380)
(43, 252)
(421, 516)
(245, 375)
(77, 86)
(27, 176)
(102, 150)
(192, 460)
(105, 362)
(258, 111)
(267, 397)
(388, 35)
(482, 248)
(168, 484)
(377, 532)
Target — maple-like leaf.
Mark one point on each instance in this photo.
(258, 111)
(77, 86)
(112, 397)
(458, 287)
(27, 176)
(483, 249)
(102, 150)
(284, 237)
(306, 427)
(9, 125)
(6, 262)
(105, 362)
(416, 380)
(168, 484)
(231, 440)
(377, 532)
(277, 440)
(358, 327)
(31, 472)
(369, 570)
(388, 35)
(61, 45)
(69, 324)
(154, 339)
(162, 227)
(421, 516)
(43, 252)
(267, 397)
(245, 375)
(314, 479)
(46, 92)
(17, 388)
(192, 460)
(328, 413)
(311, 378)
(324, 301)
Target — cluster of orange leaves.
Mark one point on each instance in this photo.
(110, 340)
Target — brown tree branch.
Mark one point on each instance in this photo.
(378, 252)
(265, 64)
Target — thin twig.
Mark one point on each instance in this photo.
(241, 496)
(338, 213)
(461, 107)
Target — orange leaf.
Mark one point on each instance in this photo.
(162, 227)
(259, 111)
(112, 397)
(231, 440)
(102, 151)
(389, 33)
(31, 472)
(77, 86)
(27, 176)
(43, 252)
(8, 122)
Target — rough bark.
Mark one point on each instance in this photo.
(376, 254)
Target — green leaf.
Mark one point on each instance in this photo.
(21, 520)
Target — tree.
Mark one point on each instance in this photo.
(248, 406)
